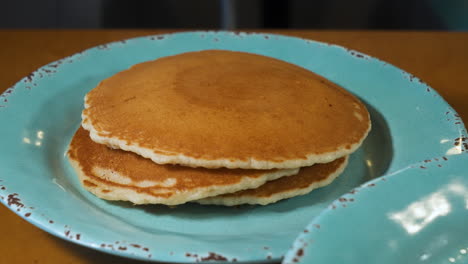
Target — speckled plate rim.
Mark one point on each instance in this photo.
(338, 212)
(139, 251)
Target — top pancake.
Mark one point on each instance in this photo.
(217, 108)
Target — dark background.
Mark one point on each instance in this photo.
(237, 14)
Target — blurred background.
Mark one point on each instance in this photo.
(237, 14)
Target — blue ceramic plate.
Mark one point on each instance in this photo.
(39, 115)
(416, 215)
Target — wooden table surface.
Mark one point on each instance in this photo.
(438, 58)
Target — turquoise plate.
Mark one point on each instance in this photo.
(40, 113)
(418, 214)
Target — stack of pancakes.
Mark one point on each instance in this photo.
(215, 127)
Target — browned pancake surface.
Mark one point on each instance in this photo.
(216, 104)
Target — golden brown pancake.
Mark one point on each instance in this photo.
(115, 174)
(308, 179)
(218, 108)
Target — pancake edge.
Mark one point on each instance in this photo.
(253, 200)
(176, 199)
(158, 157)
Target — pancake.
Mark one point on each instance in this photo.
(218, 108)
(114, 174)
(308, 179)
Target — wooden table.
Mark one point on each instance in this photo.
(440, 59)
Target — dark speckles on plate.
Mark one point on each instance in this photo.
(357, 54)
(29, 78)
(8, 91)
(13, 199)
(214, 257)
(461, 142)
(411, 77)
(54, 65)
